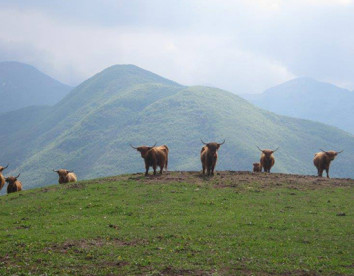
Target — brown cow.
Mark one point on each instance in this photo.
(65, 176)
(14, 184)
(153, 157)
(267, 159)
(209, 156)
(257, 167)
(2, 178)
(323, 159)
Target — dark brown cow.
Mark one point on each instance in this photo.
(209, 156)
(14, 184)
(267, 159)
(322, 160)
(2, 178)
(65, 176)
(257, 167)
(153, 157)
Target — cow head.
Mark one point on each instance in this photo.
(12, 179)
(3, 168)
(331, 154)
(213, 146)
(268, 152)
(62, 172)
(143, 149)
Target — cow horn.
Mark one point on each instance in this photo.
(18, 175)
(340, 151)
(222, 143)
(133, 147)
(154, 145)
(203, 141)
(55, 171)
(322, 150)
(259, 148)
(276, 149)
(6, 166)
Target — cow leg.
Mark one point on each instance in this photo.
(320, 172)
(161, 169)
(208, 170)
(327, 171)
(154, 166)
(203, 170)
(146, 169)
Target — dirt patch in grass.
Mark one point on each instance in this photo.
(175, 271)
(92, 244)
(237, 179)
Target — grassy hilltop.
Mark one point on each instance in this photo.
(181, 224)
(89, 131)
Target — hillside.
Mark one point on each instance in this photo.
(236, 223)
(22, 85)
(90, 130)
(309, 99)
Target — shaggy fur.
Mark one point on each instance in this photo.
(267, 159)
(322, 161)
(66, 176)
(14, 184)
(257, 167)
(153, 157)
(209, 156)
(2, 178)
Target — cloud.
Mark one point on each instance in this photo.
(73, 53)
(242, 46)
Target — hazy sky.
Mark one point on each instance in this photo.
(243, 46)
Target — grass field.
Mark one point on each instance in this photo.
(181, 223)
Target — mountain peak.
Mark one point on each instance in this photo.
(23, 85)
(130, 72)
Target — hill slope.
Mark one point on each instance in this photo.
(309, 99)
(22, 85)
(89, 131)
(180, 224)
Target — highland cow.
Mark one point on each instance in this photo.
(65, 176)
(2, 178)
(14, 184)
(153, 157)
(322, 161)
(209, 156)
(267, 159)
(257, 167)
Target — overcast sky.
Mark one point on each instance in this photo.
(243, 46)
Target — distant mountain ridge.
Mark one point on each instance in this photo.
(22, 85)
(306, 98)
(90, 130)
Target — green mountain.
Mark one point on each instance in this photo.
(22, 85)
(89, 131)
(309, 99)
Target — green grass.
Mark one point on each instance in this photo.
(133, 226)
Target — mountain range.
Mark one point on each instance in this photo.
(22, 85)
(89, 131)
(309, 99)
